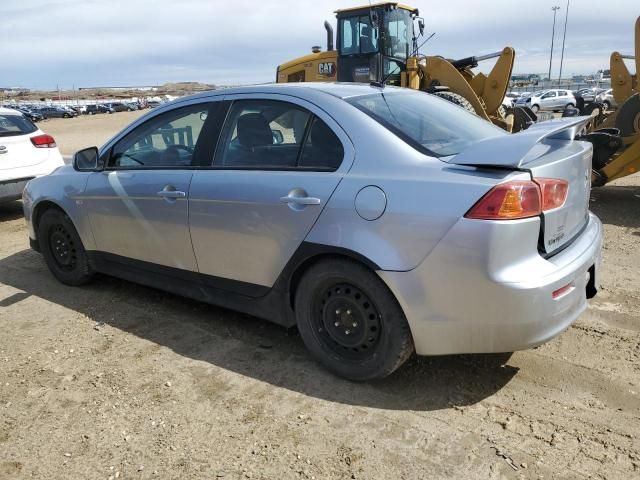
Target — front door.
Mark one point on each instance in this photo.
(277, 163)
(138, 206)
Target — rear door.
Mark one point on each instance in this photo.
(277, 162)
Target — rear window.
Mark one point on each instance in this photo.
(431, 125)
(11, 125)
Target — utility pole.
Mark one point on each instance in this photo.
(564, 36)
(553, 33)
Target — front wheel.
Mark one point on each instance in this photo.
(62, 249)
(535, 108)
(350, 322)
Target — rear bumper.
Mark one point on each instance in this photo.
(11, 190)
(477, 293)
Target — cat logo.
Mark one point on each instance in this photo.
(327, 69)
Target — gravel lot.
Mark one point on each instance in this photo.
(114, 380)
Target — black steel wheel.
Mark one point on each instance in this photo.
(346, 321)
(62, 248)
(350, 322)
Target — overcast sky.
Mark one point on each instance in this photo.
(147, 42)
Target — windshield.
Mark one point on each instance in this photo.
(431, 125)
(11, 125)
(398, 29)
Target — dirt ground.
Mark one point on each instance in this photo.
(73, 134)
(114, 380)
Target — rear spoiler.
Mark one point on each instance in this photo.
(512, 150)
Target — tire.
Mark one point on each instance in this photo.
(66, 115)
(457, 99)
(338, 298)
(535, 108)
(569, 105)
(62, 249)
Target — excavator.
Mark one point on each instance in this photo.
(378, 44)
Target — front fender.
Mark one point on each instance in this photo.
(62, 189)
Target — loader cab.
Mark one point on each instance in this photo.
(374, 42)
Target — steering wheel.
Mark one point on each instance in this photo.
(180, 147)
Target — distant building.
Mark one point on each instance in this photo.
(143, 88)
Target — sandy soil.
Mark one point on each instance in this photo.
(115, 380)
(73, 134)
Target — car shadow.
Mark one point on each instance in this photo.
(253, 347)
(10, 211)
(617, 205)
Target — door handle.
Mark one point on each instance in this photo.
(300, 200)
(171, 194)
(170, 191)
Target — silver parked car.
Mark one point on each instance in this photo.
(607, 99)
(380, 221)
(549, 100)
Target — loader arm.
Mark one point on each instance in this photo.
(492, 88)
(439, 71)
(623, 83)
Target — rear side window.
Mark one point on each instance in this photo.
(11, 125)
(262, 134)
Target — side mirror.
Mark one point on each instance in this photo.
(278, 138)
(421, 25)
(86, 160)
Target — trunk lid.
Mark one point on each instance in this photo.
(19, 152)
(546, 150)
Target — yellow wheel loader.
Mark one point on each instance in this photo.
(378, 44)
(625, 120)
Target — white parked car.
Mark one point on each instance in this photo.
(26, 152)
(549, 100)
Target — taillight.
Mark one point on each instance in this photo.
(43, 141)
(510, 200)
(554, 192)
(520, 199)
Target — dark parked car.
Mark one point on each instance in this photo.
(56, 112)
(93, 109)
(30, 114)
(120, 107)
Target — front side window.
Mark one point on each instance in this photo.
(262, 134)
(431, 125)
(549, 95)
(166, 141)
(11, 125)
(358, 36)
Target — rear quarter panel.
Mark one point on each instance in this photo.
(425, 197)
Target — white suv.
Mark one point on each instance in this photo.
(553, 100)
(26, 152)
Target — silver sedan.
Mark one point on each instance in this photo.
(379, 221)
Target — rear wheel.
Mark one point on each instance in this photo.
(457, 99)
(535, 108)
(62, 249)
(350, 322)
